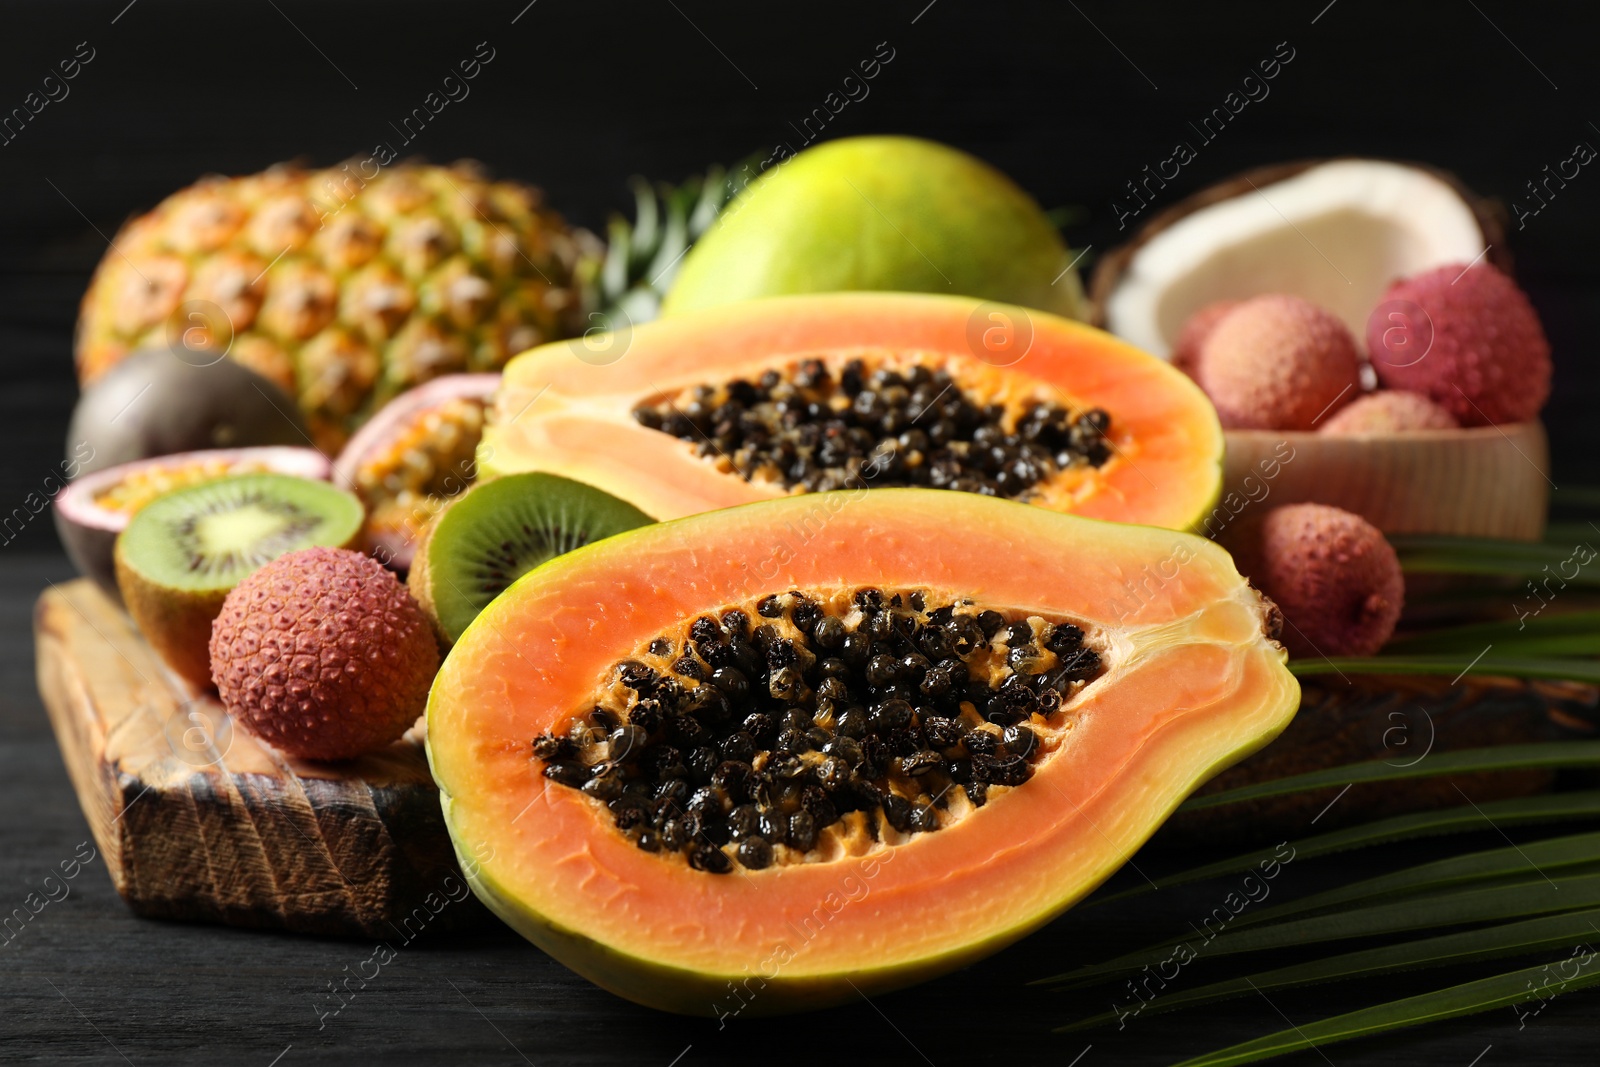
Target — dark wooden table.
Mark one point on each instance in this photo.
(83, 980)
(1072, 99)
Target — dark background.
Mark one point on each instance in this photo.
(579, 97)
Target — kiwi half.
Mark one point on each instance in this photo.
(499, 530)
(184, 551)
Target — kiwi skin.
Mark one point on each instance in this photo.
(177, 622)
(418, 578)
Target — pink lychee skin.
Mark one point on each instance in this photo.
(1278, 362)
(1489, 361)
(1196, 328)
(1388, 411)
(323, 654)
(1335, 578)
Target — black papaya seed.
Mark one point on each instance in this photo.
(708, 858)
(802, 831)
(568, 774)
(1001, 770)
(759, 737)
(897, 810)
(755, 853)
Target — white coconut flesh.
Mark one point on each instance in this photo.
(1337, 234)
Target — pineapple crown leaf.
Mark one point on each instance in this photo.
(641, 258)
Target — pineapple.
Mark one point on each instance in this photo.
(345, 291)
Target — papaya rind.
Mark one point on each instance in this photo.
(651, 979)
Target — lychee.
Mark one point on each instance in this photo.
(1468, 338)
(1388, 411)
(323, 654)
(1196, 328)
(1335, 578)
(1278, 362)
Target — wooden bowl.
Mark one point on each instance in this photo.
(1488, 481)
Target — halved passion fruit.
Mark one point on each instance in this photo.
(413, 457)
(773, 756)
(95, 507)
(863, 390)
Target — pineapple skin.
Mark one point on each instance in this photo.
(346, 290)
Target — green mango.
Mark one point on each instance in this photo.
(881, 213)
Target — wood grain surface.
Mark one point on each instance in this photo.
(197, 820)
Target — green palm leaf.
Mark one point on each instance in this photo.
(1448, 907)
(1575, 633)
(1468, 946)
(1486, 994)
(1541, 754)
(1518, 811)
(1429, 554)
(1514, 861)
(1553, 668)
(1576, 496)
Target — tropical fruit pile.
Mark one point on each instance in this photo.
(795, 583)
(1360, 316)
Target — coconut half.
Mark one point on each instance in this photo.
(1335, 232)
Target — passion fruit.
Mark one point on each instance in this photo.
(93, 509)
(413, 457)
(158, 402)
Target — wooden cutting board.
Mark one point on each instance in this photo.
(198, 821)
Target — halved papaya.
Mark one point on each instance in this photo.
(782, 395)
(771, 757)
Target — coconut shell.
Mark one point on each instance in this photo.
(1108, 270)
(1479, 483)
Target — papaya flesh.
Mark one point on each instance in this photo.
(644, 415)
(1188, 679)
